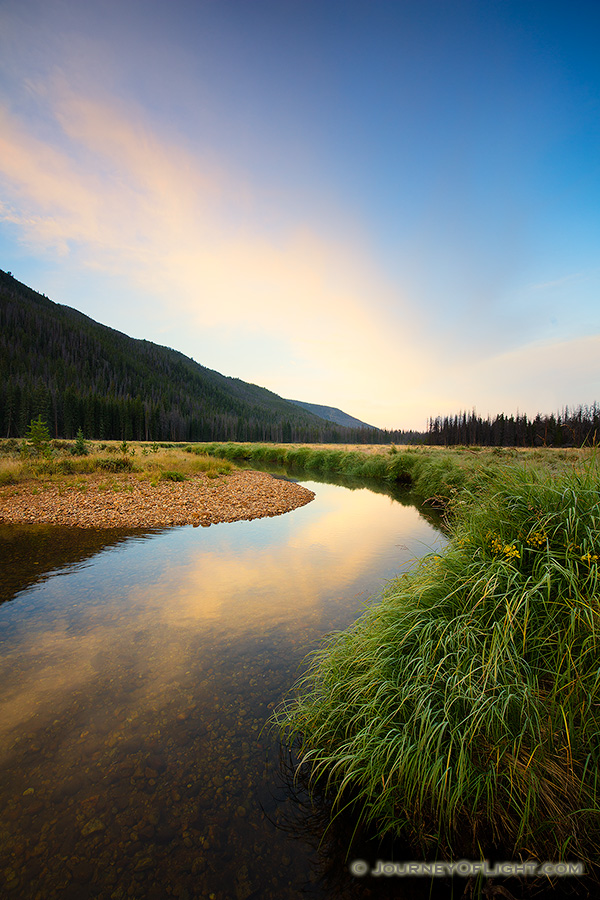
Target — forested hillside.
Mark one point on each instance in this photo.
(59, 363)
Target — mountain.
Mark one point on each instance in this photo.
(75, 372)
(332, 414)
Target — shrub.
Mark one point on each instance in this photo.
(57, 444)
(8, 476)
(115, 464)
(80, 448)
(172, 476)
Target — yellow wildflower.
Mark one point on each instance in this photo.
(511, 552)
(537, 539)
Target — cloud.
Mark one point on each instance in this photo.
(548, 374)
(109, 193)
(302, 309)
(558, 283)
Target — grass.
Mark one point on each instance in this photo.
(462, 710)
(145, 460)
(435, 474)
(171, 475)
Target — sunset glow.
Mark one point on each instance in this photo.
(391, 208)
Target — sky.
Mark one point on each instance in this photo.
(387, 206)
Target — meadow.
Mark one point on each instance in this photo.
(435, 474)
(61, 461)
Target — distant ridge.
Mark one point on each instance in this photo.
(332, 414)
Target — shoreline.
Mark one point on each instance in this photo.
(123, 500)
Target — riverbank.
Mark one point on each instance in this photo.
(439, 476)
(460, 714)
(462, 710)
(109, 488)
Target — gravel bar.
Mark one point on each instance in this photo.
(126, 501)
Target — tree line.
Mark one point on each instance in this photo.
(576, 427)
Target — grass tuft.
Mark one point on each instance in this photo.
(172, 476)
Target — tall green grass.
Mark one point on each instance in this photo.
(436, 476)
(462, 710)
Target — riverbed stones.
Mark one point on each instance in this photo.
(241, 495)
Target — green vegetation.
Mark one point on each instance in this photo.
(462, 710)
(436, 475)
(113, 464)
(75, 373)
(570, 428)
(80, 447)
(61, 460)
(37, 437)
(172, 475)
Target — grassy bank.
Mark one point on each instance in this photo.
(463, 708)
(435, 474)
(62, 460)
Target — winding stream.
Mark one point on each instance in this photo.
(137, 674)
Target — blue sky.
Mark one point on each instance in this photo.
(383, 205)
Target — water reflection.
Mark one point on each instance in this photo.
(132, 751)
(29, 553)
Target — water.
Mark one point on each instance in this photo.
(138, 672)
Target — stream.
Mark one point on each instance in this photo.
(138, 673)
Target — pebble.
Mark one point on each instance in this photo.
(92, 827)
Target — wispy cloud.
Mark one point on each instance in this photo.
(116, 198)
(558, 283)
(538, 377)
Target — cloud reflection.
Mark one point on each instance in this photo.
(185, 600)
